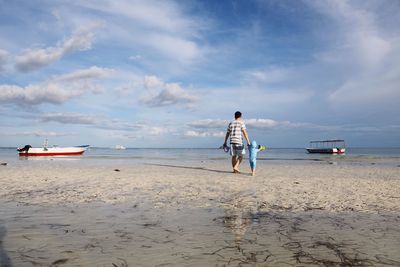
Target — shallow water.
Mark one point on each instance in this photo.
(137, 234)
(101, 156)
(100, 234)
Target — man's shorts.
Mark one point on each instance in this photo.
(237, 150)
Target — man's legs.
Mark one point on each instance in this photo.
(236, 163)
(234, 160)
(237, 152)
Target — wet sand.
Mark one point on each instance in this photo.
(297, 214)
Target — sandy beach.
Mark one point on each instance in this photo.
(296, 187)
(168, 214)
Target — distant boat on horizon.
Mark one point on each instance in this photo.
(119, 147)
(333, 146)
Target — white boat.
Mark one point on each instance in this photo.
(119, 147)
(334, 146)
(51, 151)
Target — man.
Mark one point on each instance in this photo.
(237, 129)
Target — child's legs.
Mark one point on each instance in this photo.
(253, 165)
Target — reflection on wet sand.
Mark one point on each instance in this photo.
(137, 234)
(5, 260)
(316, 239)
(281, 237)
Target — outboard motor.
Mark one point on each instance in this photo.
(25, 148)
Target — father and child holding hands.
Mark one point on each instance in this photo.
(236, 131)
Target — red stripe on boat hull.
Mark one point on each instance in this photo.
(23, 154)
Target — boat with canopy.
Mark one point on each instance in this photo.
(333, 146)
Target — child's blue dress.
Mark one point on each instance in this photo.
(253, 150)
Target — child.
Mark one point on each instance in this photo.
(253, 150)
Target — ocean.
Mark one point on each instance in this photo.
(97, 155)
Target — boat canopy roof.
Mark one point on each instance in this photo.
(328, 141)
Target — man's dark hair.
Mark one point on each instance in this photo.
(238, 114)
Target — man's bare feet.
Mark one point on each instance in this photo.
(235, 171)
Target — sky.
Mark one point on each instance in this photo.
(173, 73)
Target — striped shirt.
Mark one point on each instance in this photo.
(235, 131)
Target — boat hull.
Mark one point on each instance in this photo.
(53, 151)
(326, 150)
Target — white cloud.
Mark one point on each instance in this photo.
(250, 123)
(164, 16)
(152, 82)
(135, 57)
(270, 75)
(157, 131)
(36, 94)
(268, 123)
(253, 99)
(93, 72)
(161, 30)
(192, 133)
(381, 91)
(101, 122)
(123, 90)
(125, 128)
(172, 94)
(33, 59)
(175, 48)
(373, 49)
(92, 120)
(359, 37)
(217, 127)
(209, 123)
(39, 133)
(166, 94)
(365, 55)
(144, 132)
(50, 134)
(70, 118)
(124, 135)
(56, 90)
